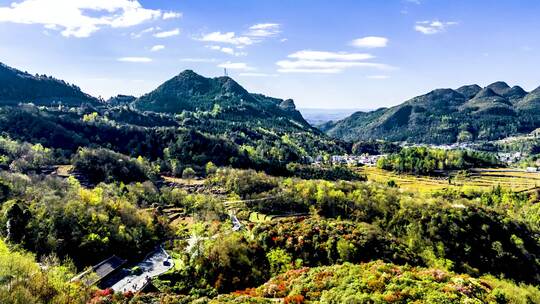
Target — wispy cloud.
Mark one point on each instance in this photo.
(432, 27)
(254, 34)
(165, 34)
(305, 66)
(135, 59)
(308, 61)
(321, 55)
(145, 31)
(264, 30)
(370, 42)
(236, 66)
(158, 47)
(78, 18)
(226, 50)
(228, 38)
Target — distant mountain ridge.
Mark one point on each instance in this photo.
(446, 115)
(17, 86)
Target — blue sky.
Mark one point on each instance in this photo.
(323, 54)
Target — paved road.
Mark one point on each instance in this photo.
(155, 263)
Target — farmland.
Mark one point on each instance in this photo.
(475, 178)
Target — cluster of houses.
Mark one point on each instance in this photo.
(355, 160)
(509, 158)
(350, 160)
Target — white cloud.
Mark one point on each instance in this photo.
(78, 18)
(135, 59)
(232, 52)
(264, 30)
(432, 27)
(198, 60)
(171, 15)
(333, 65)
(226, 50)
(174, 32)
(156, 48)
(145, 31)
(370, 42)
(320, 55)
(255, 33)
(257, 75)
(327, 62)
(236, 66)
(378, 77)
(229, 38)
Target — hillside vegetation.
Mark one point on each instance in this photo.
(188, 121)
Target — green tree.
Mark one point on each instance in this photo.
(280, 261)
(188, 173)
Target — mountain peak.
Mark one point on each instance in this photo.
(287, 105)
(499, 87)
(190, 91)
(515, 93)
(469, 91)
(188, 73)
(486, 92)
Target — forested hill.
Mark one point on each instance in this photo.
(189, 91)
(446, 116)
(188, 121)
(17, 86)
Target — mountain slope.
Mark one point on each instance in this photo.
(17, 86)
(446, 116)
(531, 101)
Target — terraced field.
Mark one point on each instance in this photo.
(479, 178)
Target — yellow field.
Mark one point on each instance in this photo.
(256, 217)
(482, 179)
